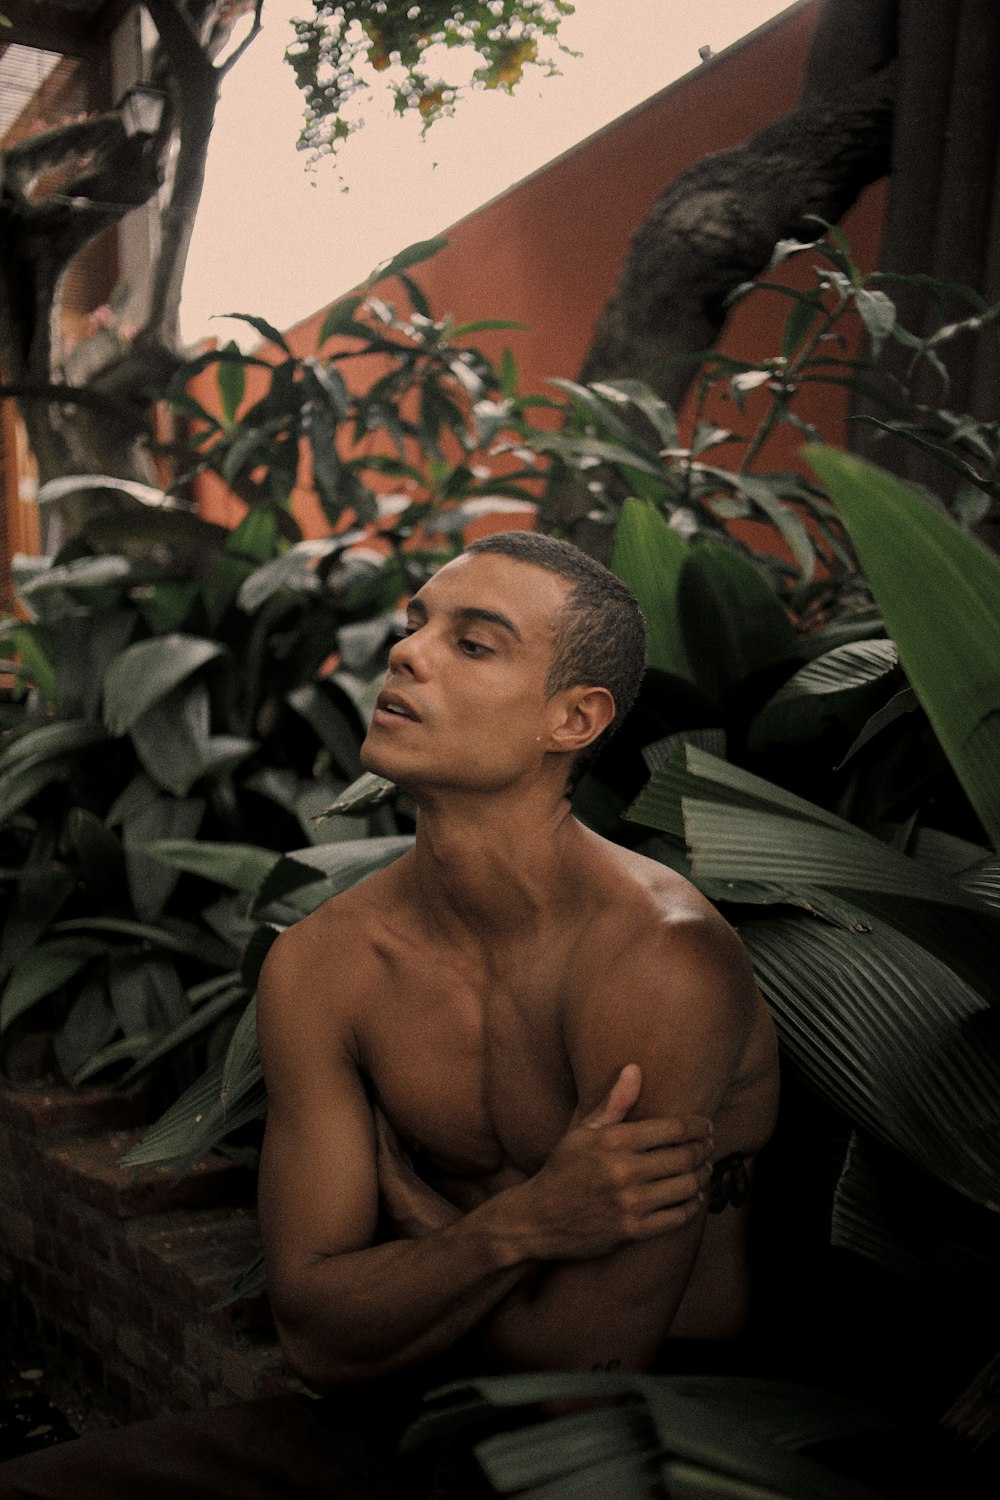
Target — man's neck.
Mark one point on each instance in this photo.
(489, 871)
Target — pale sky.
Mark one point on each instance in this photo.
(280, 241)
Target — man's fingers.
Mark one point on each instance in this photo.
(681, 1130)
(622, 1096)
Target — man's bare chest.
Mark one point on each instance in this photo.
(473, 1076)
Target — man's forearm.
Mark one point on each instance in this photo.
(369, 1312)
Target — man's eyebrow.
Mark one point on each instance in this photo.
(490, 617)
(470, 612)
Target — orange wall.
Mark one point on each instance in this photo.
(547, 252)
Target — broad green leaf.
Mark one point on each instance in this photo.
(22, 783)
(939, 592)
(147, 672)
(337, 732)
(731, 621)
(891, 1037)
(43, 971)
(649, 557)
(179, 938)
(199, 1120)
(242, 1056)
(174, 743)
(146, 992)
(898, 1215)
(90, 1026)
(292, 568)
(341, 866)
(231, 378)
(83, 573)
(729, 843)
(198, 1021)
(844, 667)
(695, 773)
(42, 887)
(100, 854)
(340, 319)
(154, 815)
(60, 737)
(123, 1050)
(242, 867)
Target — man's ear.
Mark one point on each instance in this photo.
(584, 714)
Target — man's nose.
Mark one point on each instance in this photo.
(407, 655)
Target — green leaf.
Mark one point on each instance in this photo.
(148, 814)
(729, 843)
(941, 606)
(29, 643)
(731, 622)
(893, 1038)
(83, 573)
(43, 971)
(122, 1050)
(649, 557)
(696, 773)
(242, 1058)
(364, 794)
(193, 945)
(191, 1026)
(801, 317)
(637, 393)
(22, 783)
(231, 376)
(264, 328)
(174, 744)
(146, 992)
(413, 254)
(51, 740)
(242, 867)
(199, 1120)
(337, 732)
(878, 313)
(339, 865)
(844, 667)
(89, 1027)
(147, 672)
(340, 319)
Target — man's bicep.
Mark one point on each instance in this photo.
(682, 1013)
(318, 1188)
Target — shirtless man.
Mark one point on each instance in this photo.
(491, 1070)
(530, 1021)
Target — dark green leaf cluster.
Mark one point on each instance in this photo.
(178, 682)
(838, 792)
(344, 45)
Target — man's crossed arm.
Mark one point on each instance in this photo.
(611, 1223)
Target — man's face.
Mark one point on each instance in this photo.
(464, 701)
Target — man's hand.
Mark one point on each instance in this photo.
(413, 1208)
(612, 1181)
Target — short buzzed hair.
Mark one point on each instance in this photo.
(601, 633)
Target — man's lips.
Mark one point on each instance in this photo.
(392, 705)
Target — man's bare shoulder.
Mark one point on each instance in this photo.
(660, 959)
(649, 900)
(322, 964)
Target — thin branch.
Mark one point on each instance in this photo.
(114, 408)
(223, 68)
(40, 153)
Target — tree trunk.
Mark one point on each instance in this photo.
(716, 225)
